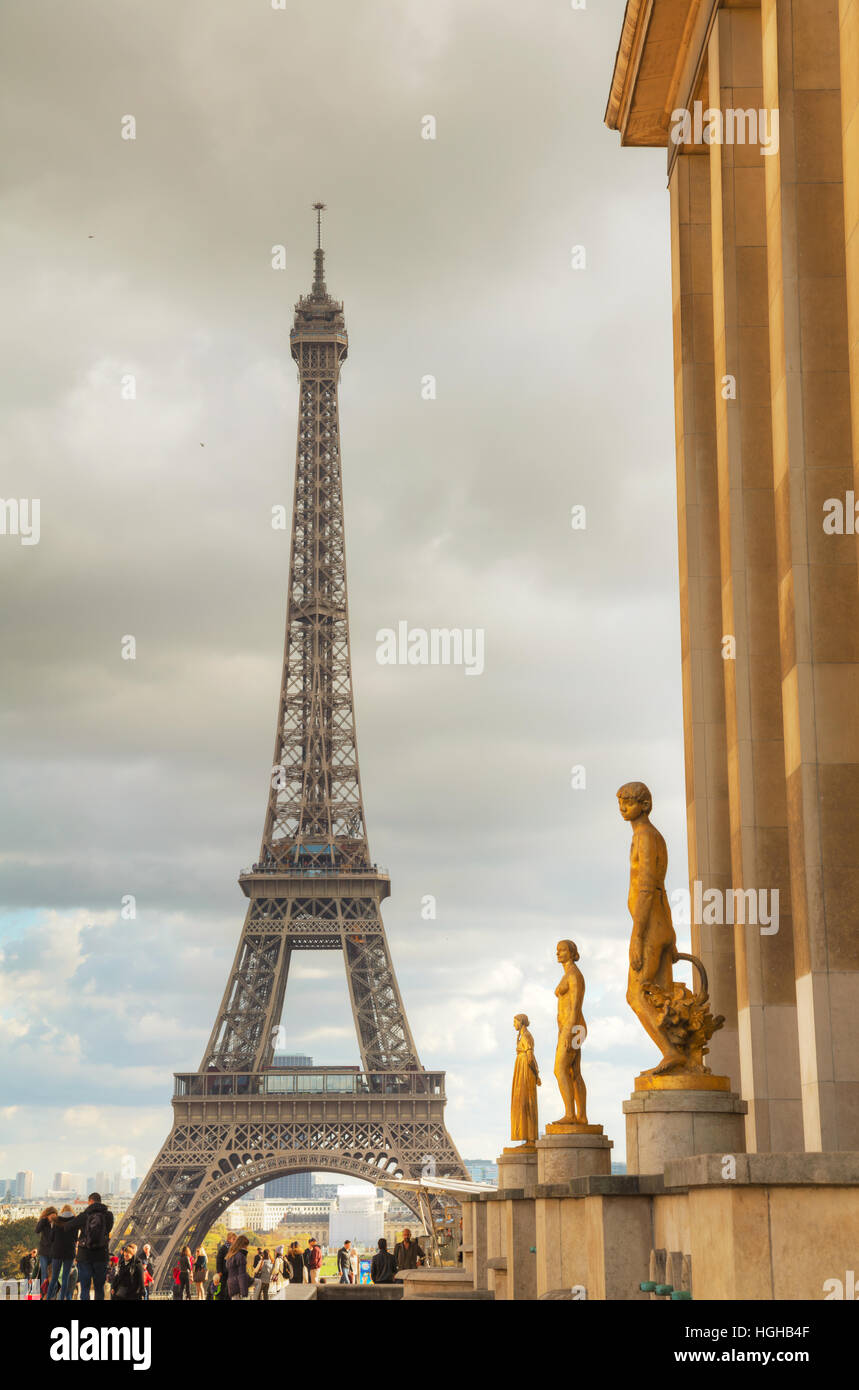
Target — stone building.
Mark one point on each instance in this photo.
(749, 1193)
(757, 109)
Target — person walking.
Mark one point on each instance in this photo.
(93, 1227)
(128, 1278)
(263, 1276)
(223, 1253)
(407, 1252)
(29, 1266)
(74, 1281)
(383, 1266)
(344, 1262)
(201, 1270)
(186, 1268)
(45, 1232)
(237, 1269)
(63, 1255)
(313, 1260)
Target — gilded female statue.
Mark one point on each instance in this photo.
(526, 1079)
(572, 1031)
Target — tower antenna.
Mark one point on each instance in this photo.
(319, 289)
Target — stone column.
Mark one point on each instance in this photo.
(700, 582)
(849, 24)
(474, 1240)
(766, 991)
(813, 461)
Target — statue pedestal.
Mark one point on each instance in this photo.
(677, 1116)
(517, 1167)
(572, 1151)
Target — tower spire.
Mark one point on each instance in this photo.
(319, 290)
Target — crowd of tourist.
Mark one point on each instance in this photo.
(73, 1260)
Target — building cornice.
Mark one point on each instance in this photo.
(660, 59)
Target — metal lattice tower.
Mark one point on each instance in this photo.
(238, 1121)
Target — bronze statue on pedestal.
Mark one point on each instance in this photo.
(678, 1021)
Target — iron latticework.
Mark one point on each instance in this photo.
(238, 1121)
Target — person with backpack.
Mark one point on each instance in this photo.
(45, 1232)
(93, 1227)
(63, 1253)
(383, 1266)
(128, 1279)
(29, 1264)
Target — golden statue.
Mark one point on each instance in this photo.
(526, 1079)
(572, 1031)
(678, 1021)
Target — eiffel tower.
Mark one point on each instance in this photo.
(240, 1120)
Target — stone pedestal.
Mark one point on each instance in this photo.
(439, 1284)
(676, 1116)
(517, 1167)
(572, 1151)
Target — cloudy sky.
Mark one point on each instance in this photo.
(152, 258)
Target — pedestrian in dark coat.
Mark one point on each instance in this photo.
(45, 1232)
(128, 1279)
(225, 1249)
(295, 1261)
(383, 1266)
(186, 1268)
(63, 1253)
(238, 1281)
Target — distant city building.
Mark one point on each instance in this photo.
(291, 1059)
(90, 1186)
(68, 1182)
(24, 1185)
(396, 1211)
(135, 1183)
(324, 1190)
(618, 1167)
(357, 1214)
(102, 1184)
(292, 1185)
(482, 1169)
